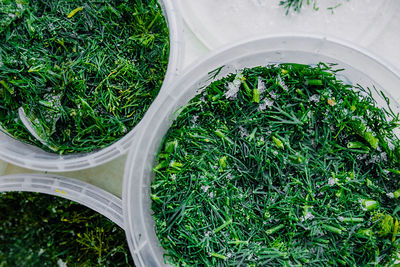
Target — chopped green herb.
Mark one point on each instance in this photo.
(296, 5)
(43, 230)
(291, 179)
(10, 10)
(76, 76)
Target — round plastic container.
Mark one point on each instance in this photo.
(83, 193)
(218, 22)
(360, 67)
(28, 156)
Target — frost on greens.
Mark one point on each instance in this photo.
(282, 165)
(76, 76)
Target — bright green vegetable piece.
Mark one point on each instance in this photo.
(274, 229)
(256, 96)
(171, 146)
(332, 229)
(217, 255)
(176, 165)
(396, 193)
(246, 87)
(314, 82)
(366, 233)
(8, 88)
(73, 12)
(395, 229)
(385, 225)
(223, 136)
(357, 145)
(351, 219)
(358, 126)
(279, 144)
(370, 205)
(361, 129)
(371, 139)
(222, 163)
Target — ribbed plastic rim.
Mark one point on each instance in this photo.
(36, 159)
(83, 193)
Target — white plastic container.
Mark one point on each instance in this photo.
(362, 22)
(28, 156)
(217, 22)
(83, 193)
(360, 67)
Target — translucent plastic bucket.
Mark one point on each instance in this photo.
(216, 23)
(360, 67)
(368, 23)
(28, 156)
(83, 193)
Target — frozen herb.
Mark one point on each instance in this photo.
(42, 230)
(11, 10)
(296, 5)
(76, 76)
(283, 165)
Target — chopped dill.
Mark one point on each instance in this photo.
(296, 5)
(76, 76)
(283, 165)
(43, 230)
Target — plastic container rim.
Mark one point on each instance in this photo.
(81, 192)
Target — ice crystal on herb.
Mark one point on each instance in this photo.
(233, 87)
(205, 188)
(273, 95)
(266, 103)
(243, 132)
(261, 86)
(315, 98)
(282, 84)
(331, 181)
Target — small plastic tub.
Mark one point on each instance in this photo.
(83, 193)
(217, 23)
(360, 67)
(31, 157)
